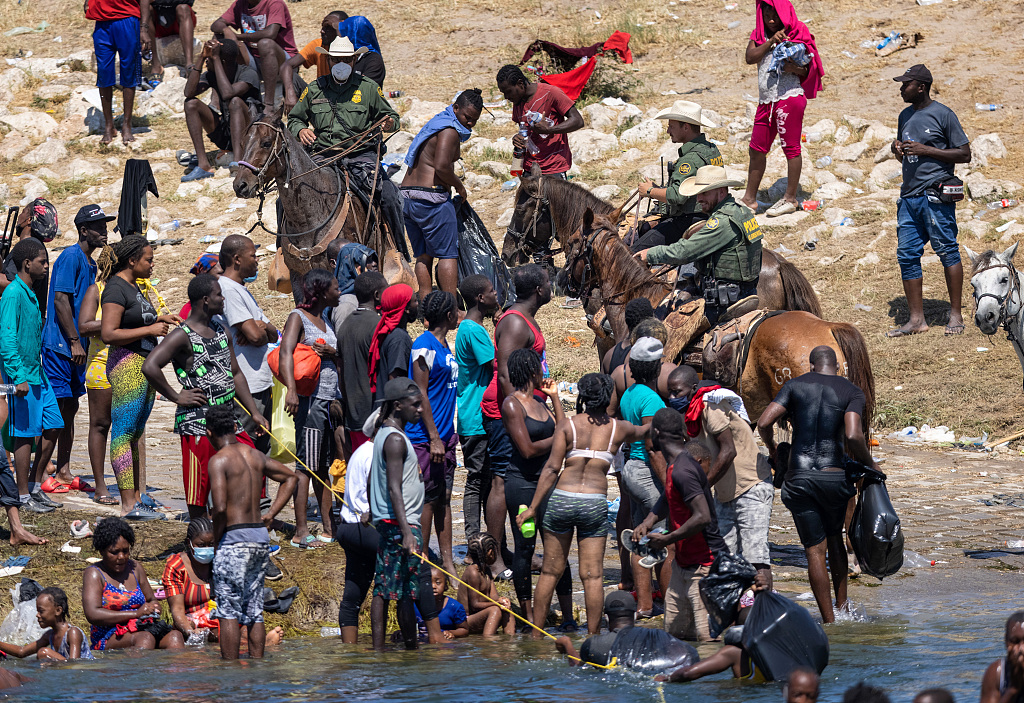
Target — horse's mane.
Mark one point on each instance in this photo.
(627, 273)
(573, 200)
(984, 260)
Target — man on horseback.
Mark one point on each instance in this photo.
(330, 118)
(678, 211)
(726, 250)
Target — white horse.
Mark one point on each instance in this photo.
(997, 296)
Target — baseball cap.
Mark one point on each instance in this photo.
(42, 216)
(647, 349)
(92, 213)
(917, 72)
(399, 388)
(619, 603)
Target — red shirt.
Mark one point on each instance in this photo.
(686, 480)
(493, 397)
(554, 155)
(246, 19)
(102, 10)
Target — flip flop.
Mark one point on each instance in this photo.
(505, 575)
(79, 484)
(305, 544)
(648, 558)
(954, 330)
(325, 540)
(899, 332)
(106, 500)
(52, 485)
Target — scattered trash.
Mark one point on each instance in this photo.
(510, 184)
(990, 107)
(1016, 544)
(811, 205)
(862, 306)
(868, 44)
(330, 632)
(170, 226)
(925, 3)
(812, 136)
(849, 55)
(913, 560)
(198, 637)
(69, 548)
(823, 162)
(897, 388)
(27, 30)
(735, 24)
(893, 36)
(844, 222)
(974, 441)
(783, 249)
(566, 387)
(896, 41)
(749, 98)
(1005, 202)
(80, 529)
(983, 349)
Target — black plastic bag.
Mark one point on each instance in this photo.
(780, 636)
(652, 651)
(729, 577)
(875, 530)
(478, 255)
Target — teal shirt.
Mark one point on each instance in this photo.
(21, 335)
(638, 402)
(473, 352)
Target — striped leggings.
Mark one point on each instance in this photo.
(130, 405)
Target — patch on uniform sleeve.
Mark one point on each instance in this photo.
(305, 91)
(712, 223)
(357, 97)
(684, 168)
(752, 230)
(380, 91)
(716, 161)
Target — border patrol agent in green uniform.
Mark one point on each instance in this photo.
(338, 106)
(679, 212)
(727, 250)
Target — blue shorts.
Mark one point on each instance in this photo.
(432, 227)
(920, 221)
(119, 37)
(66, 378)
(31, 414)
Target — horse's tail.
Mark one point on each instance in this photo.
(798, 292)
(858, 365)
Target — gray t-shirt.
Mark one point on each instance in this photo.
(937, 126)
(412, 481)
(239, 306)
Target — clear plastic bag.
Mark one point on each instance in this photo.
(20, 626)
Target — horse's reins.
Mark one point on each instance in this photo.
(1005, 317)
(586, 254)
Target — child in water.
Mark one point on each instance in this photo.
(484, 616)
(451, 615)
(62, 641)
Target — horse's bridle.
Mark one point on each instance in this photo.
(585, 255)
(1006, 300)
(520, 238)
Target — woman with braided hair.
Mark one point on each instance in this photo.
(587, 443)
(434, 369)
(129, 326)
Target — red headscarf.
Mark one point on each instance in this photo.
(696, 407)
(393, 302)
(797, 32)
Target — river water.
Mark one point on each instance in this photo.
(932, 628)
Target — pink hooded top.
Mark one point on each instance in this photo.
(797, 32)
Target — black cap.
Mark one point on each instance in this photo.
(619, 603)
(92, 213)
(917, 72)
(399, 388)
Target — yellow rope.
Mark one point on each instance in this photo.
(146, 286)
(515, 615)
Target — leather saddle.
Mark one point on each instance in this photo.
(725, 348)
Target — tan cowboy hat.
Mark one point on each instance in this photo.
(685, 111)
(342, 48)
(707, 178)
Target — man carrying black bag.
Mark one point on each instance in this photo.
(826, 412)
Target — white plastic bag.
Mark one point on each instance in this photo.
(20, 626)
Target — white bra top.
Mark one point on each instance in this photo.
(592, 453)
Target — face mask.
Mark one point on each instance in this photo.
(251, 279)
(204, 555)
(680, 404)
(341, 72)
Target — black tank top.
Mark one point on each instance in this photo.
(817, 405)
(619, 355)
(537, 429)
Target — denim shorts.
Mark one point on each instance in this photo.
(920, 221)
(644, 490)
(499, 445)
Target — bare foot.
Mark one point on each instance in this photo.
(274, 637)
(907, 330)
(752, 206)
(108, 134)
(126, 135)
(23, 536)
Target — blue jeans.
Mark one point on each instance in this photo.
(920, 221)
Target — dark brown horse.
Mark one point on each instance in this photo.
(317, 204)
(596, 258)
(548, 207)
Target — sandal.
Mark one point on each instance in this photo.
(954, 330)
(305, 544)
(52, 485)
(106, 500)
(79, 484)
(900, 332)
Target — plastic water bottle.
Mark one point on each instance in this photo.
(170, 226)
(394, 93)
(893, 36)
(823, 162)
(989, 107)
(1005, 202)
(330, 632)
(529, 528)
(7, 389)
(510, 184)
(846, 222)
(519, 155)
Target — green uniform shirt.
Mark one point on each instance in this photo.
(692, 155)
(728, 247)
(335, 112)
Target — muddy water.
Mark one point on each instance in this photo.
(930, 629)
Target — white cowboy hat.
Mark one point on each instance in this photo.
(685, 111)
(707, 178)
(342, 48)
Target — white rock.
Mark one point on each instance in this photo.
(32, 189)
(832, 191)
(651, 171)
(878, 132)
(740, 124)
(842, 135)
(40, 67)
(47, 173)
(845, 171)
(204, 202)
(220, 185)
(750, 110)
(14, 145)
(478, 181)
(5, 193)
(82, 113)
(160, 168)
(985, 147)
(419, 113)
(601, 117)
(49, 152)
(833, 214)
(821, 177)
(590, 145)
(53, 90)
(629, 112)
(717, 119)
(36, 125)
(869, 259)
(815, 233)
(497, 169)
(976, 227)
(851, 152)
(669, 151)
(111, 193)
(856, 122)
(606, 192)
(886, 172)
(188, 190)
(1013, 233)
(399, 142)
(783, 221)
(506, 218)
(647, 132)
(632, 154)
(884, 153)
(825, 127)
(12, 79)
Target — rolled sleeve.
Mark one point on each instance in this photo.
(685, 251)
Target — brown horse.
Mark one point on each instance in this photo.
(547, 207)
(317, 203)
(596, 258)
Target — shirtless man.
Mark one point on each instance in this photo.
(426, 201)
(1003, 681)
(240, 532)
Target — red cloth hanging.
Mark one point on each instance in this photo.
(573, 81)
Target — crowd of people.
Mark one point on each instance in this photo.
(390, 412)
